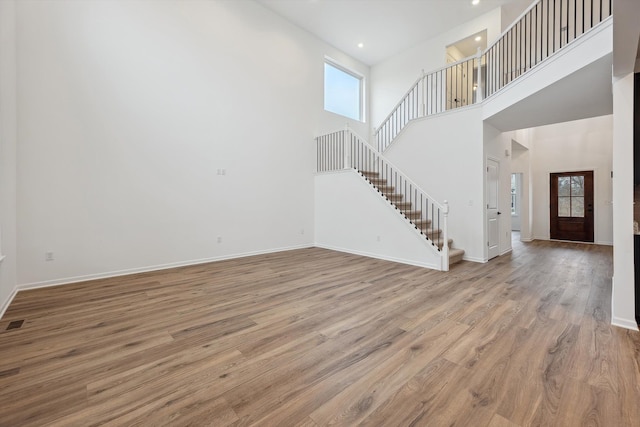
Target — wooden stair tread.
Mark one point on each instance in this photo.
(455, 255)
(411, 214)
(402, 205)
(415, 216)
(394, 196)
(431, 231)
(440, 241)
(376, 181)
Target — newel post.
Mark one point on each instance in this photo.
(445, 236)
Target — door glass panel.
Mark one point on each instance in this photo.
(564, 186)
(577, 207)
(577, 186)
(564, 206)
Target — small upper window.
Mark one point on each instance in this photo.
(342, 91)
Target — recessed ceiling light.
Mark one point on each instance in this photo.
(478, 38)
(360, 45)
(475, 2)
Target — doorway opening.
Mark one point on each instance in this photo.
(516, 202)
(493, 205)
(466, 47)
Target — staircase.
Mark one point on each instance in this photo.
(345, 150)
(424, 226)
(545, 28)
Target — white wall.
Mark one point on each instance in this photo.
(622, 299)
(424, 152)
(7, 153)
(351, 216)
(129, 111)
(392, 78)
(574, 146)
(496, 146)
(512, 11)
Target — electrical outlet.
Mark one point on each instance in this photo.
(48, 256)
(378, 238)
(302, 231)
(219, 239)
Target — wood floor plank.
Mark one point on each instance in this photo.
(362, 397)
(483, 334)
(582, 404)
(313, 337)
(627, 370)
(554, 379)
(529, 363)
(499, 421)
(413, 403)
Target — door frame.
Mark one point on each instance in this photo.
(484, 206)
(547, 193)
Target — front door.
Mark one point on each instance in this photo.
(571, 206)
(493, 214)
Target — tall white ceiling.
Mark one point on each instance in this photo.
(385, 27)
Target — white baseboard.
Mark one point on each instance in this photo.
(527, 239)
(473, 259)
(5, 304)
(76, 279)
(624, 323)
(508, 251)
(376, 256)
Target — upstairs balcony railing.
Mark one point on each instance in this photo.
(543, 29)
(450, 87)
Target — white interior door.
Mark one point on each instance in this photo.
(493, 214)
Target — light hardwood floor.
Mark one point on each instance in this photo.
(313, 337)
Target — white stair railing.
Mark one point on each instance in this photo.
(445, 89)
(344, 149)
(541, 30)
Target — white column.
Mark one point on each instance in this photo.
(622, 298)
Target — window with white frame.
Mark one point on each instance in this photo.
(343, 91)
